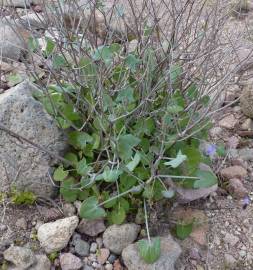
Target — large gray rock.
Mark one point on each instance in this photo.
(170, 251)
(117, 237)
(22, 114)
(20, 256)
(54, 236)
(12, 41)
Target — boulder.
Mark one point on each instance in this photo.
(54, 236)
(21, 165)
(170, 251)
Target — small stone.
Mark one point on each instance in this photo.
(246, 154)
(231, 239)
(170, 251)
(75, 237)
(82, 247)
(236, 188)
(20, 256)
(54, 236)
(87, 267)
(91, 227)
(69, 261)
(99, 242)
(109, 266)
(103, 255)
(247, 124)
(42, 263)
(233, 172)
(96, 265)
(117, 237)
(69, 210)
(117, 265)
(215, 132)
(242, 253)
(228, 122)
(93, 247)
(21, 224)
(112, 258)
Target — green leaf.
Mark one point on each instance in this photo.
(111, 175)
(87, 182)
(175, 73)
(192, 92)
(79, 139)
(14, 79)
(103, 53)
(183, 230)
(126, 182)
(106, 195)
(126, 95)
(134, 163)
(118, 215)
(174, 163)
(70, 113)
(132, 62)
(150, 251)
(50, 46)
(206, 179)
(63, 123)
(96, 141)
(194, 157)
(60, 174)
(59, 61)
(33, 44)
(174, 108)
(89, 70)
(126, 144)
(90, 209)
(72, 158)
(82, 168)
(69, 190)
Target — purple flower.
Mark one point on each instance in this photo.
(211, 150)
(246, 201)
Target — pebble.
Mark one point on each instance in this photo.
(112, 258)
(99, 241)
(81, 247)
(69, 210)
(69, 261)
(234, 172)
(103, 255)
(87, 267)
(236, 188)
(242, 253)
(228, 122)
(117, 237)
(231, 239)
(21, 223)
(109, 267)
(91, 227)
(93, 247)
(230, 261)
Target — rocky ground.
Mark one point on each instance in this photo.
(49, 234)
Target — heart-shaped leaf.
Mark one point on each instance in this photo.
(183, 230)
(150, 251)
(90, 209)
(206, 179)
(60, 174)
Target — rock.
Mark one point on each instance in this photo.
(233, 172)
(109, 266)
(228, 122)
(20, 256)
(236, 188)
(69, 210)
(231, 239)
(33, 21)
(87, 267)
(185, 195)
(246, 101)
(69, 261)
(16, 3)
(99, 242)
(103, 255)
(247, 124)
(230, 261)
(50, 214)
(21, 223)
(246, 154)
(25, 116)
(112, 258)
(82, 247)
(12, 41)
(42, 263)
(117, 265)
(91, 227)
(170, 251)
(117, 237)
(54, 236)
(93, 247)
(216, 132)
